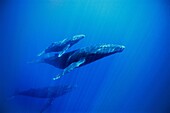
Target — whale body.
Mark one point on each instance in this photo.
(46, 92)
(90, 54)
(81, 57)
(62, 46)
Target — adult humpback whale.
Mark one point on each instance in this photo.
(80, 57)
(51, 93)
(62, 46)
(46, 92)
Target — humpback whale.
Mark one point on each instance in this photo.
(62, 46)
(81, 57)
(50, 93)
(46, 92)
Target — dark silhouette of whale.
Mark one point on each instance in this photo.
(46, 92)
(50, 93)
(80, 57)
(62, 46)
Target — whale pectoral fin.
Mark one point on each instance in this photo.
(71, 67)
(64, 50)
(48, 103)
(40, 54)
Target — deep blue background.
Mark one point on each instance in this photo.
(136, 80)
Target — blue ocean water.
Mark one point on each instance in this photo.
(133, 81)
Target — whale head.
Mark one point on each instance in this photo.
(118, 48)
(78, 37)
(108, 49)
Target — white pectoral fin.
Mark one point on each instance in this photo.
(70, 68)
(40, 54)
(64, 50)
(57, 77)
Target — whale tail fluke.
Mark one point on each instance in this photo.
(16, 92)
(10, 98)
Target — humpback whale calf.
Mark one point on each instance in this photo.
(62, 46)
(80, 57)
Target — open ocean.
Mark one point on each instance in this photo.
(137, 80)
